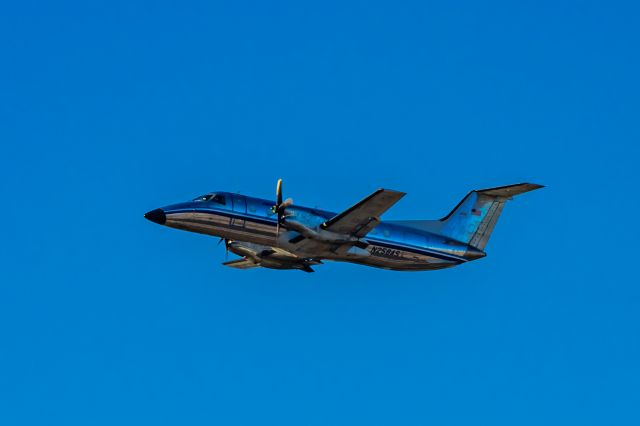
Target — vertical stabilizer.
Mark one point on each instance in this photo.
(472, 221)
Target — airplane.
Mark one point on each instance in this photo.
(281, 235)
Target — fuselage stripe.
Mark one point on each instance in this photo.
(272, 223)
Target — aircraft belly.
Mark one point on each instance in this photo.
(406, 261)
(372, 256)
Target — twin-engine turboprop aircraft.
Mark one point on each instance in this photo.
(282, 235)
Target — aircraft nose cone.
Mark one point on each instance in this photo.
(156, 216)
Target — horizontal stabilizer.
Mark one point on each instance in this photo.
(510, 190)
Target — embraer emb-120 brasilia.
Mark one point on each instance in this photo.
(282, 235)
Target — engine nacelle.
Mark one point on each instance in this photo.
(319, 234)
(268, 258)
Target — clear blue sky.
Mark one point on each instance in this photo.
(113, 108)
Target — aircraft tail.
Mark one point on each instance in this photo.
(473, 219)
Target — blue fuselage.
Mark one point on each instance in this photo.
(248, 219)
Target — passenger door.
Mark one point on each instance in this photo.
(239, 205)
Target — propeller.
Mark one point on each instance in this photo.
(280, 207)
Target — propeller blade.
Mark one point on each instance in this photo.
(279, 208)
(287, 203)
(279, 193)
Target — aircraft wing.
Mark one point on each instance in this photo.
(242, 263)
(363, 216)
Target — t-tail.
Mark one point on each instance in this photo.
(472, 221)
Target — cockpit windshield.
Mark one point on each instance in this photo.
(216, 198)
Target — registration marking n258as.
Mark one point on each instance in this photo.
(385, 252)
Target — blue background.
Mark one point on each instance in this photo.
(110, 109)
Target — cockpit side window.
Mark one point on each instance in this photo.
(219, 199)
(216, 198)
